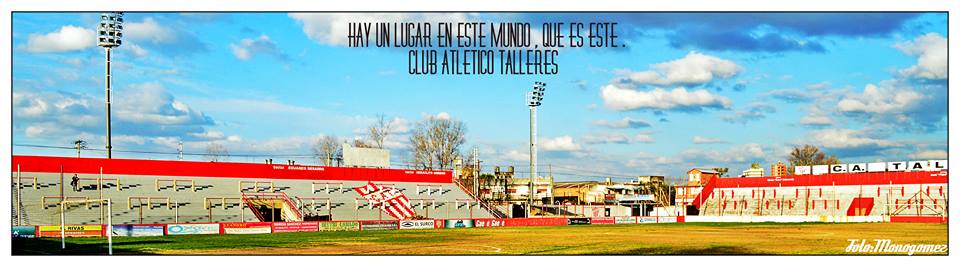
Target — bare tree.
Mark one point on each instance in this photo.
(436, 142)
(216, 152)
(379, 131)
(360, 143)
(325, 149)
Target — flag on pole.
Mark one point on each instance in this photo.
(389, 199)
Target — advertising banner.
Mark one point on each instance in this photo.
(666, 219)
(378, 225)
(648, 197)
(417, 224)
(578, 221)
(287, 227)
(534, 221)
(339, 226)
(625, 220)
(24, 231)
(193, 229)
(458, 224)
(138, 230)
(71, 230)
(646, 219)
(244, 228)
(602, 220)
(488, 222)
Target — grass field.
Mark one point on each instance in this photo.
(642, 239)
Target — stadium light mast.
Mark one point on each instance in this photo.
(534, 97)
(109, 33)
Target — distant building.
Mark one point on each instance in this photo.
(518, 189)
(778, 169)
(701, 176)
(685, 194)
(365, 157)
(599, 193)
(650, 179)
(752, 172)
(494, 188)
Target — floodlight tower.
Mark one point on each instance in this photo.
(533, 101)
(109, 33)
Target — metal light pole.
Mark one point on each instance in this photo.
(533, 101)
(109, 33)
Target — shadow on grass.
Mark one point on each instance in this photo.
(711, 250)
(79, 246)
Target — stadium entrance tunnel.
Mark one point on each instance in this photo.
(273, 207)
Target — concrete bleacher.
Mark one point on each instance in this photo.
(169, 199)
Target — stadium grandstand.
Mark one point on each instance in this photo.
(887, 194)
(164, 191)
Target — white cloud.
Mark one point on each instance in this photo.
(209, 134)
(562, 143)
(247, 48)
(929, 154)
(135, 50)
(616, 138)
(642, 138)
(67, 38)
(139, 110)
(847, 139)
(150, 103)
(514, 155)
(738, 154)
(707, 140)
(693, 69)
(624, 123)
(816, 120)
(399, 125)
(931, 52)
(331, 28)
(621, 99)
(440, 116)
(171, 37)
(882, 99)
(149, 30)
(756, 111)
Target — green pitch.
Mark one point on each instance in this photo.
(638, 239)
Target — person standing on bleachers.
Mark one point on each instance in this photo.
(74, 182)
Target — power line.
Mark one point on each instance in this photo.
(596, 172)
(169, 153)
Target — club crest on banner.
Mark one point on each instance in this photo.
(390, 199)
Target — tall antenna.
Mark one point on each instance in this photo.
(109, 32)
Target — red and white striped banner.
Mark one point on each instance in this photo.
(389, 199)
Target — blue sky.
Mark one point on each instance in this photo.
(689, 90)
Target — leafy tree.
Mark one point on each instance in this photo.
(808, 155)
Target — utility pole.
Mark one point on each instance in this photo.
(476, 177)
(550, 190)
(111, 25)
(180, 150)
(80, 144)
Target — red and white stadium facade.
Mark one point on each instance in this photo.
(887, 191)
